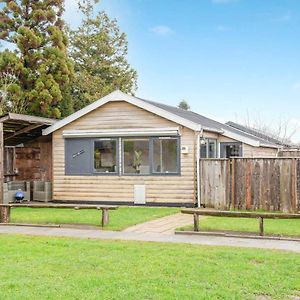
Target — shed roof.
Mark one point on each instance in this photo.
(20, 128)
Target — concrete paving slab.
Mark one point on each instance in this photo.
(164, 225)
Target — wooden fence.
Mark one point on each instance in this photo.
(271, 184)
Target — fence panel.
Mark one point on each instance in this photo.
(215, 183)
(269, 184)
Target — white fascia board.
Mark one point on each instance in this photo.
(167, 131)
(271, 146)
(241, 138)
(163, 113)
(213, 130)
(80, 113)
(120, 96)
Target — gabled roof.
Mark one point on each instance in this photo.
(180, 116)
(120, 96)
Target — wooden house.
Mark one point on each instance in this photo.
(123, 149)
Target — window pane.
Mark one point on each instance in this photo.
(165, 156)
(232, 150)
(203, 150)
(211, 148)
(105, 156)
(136, 156)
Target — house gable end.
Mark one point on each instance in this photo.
(118, 96)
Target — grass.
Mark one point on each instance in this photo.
(286, 227)
(62, 268)
(119, 219)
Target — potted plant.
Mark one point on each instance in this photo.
(137, 161)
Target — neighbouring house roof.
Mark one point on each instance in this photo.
(19, 128)
(257, 133)
(180, 116)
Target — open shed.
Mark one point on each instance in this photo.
(25, 154)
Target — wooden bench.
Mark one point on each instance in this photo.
(236, 214)
(5, 209)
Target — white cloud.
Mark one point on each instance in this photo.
(223, 28)
(223, 1)
(162, 30)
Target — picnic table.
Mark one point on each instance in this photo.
(238, 214)
(6, 208)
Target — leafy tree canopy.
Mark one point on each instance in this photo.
(99, 49)
(36, 77)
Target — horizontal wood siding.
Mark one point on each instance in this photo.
(250, 151)
(120, 115)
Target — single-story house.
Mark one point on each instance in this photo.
(123, 149)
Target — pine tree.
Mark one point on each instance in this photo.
(99, 49)
(40, 64)
(184, 105)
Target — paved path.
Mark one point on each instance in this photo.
(151, 237)
(164, 225)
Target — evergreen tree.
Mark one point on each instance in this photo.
(99, 49)
(184, 105)
(40, 65)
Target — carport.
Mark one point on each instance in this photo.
(19, 131)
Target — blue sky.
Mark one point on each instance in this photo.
(227, 58)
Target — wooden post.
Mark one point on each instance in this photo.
(196, 222)
(105, 217)
(261, 226)
(1, 163)
(5, 214)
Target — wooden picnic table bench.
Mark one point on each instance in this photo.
(5, 209)
(238, 214)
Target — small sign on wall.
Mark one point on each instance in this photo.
(184, 149)
(139, 194)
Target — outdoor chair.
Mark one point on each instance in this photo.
(12, 187)
(42, 191)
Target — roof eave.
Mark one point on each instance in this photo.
(120, 96)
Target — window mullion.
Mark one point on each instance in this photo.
(151, 154)
(120, 156)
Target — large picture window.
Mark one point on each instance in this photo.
(105, 156)
(122, 156)
(165, 155)
(136, 156)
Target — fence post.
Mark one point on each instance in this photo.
(1, 163)
(261, 226)
(196, 222)
(232, 180)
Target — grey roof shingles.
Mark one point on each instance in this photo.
(209, 124)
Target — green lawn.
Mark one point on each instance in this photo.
(119, 219)
(61, 268)
(271, 226)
